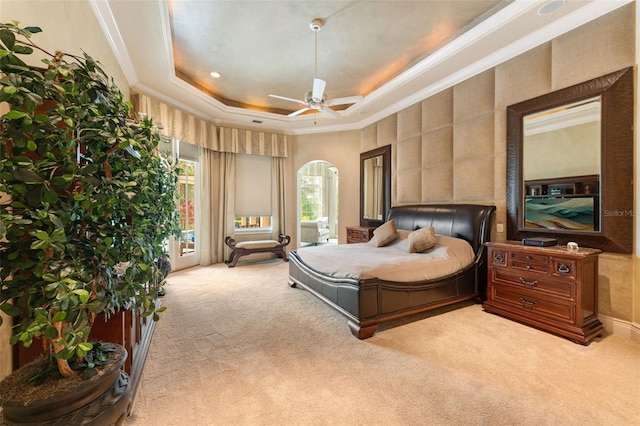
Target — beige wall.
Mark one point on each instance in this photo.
(70, 27)
(341, 149)
(451, 147)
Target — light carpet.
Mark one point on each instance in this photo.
(238, 346)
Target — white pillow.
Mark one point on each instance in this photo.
(385, 233)
(421, 240)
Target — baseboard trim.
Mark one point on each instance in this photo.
(626, 329)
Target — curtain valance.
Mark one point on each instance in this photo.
(177, 123)
(188, 128)
(241, 141)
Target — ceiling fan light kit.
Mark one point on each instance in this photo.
(316, 98)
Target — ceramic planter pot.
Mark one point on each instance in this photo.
(101, 400)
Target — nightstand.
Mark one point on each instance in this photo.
(359, 234)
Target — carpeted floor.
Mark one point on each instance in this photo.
(238, 346)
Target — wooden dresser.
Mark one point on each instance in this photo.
(545, 287)
(359, 234)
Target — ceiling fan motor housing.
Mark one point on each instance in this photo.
(316, 104)
(316, 24)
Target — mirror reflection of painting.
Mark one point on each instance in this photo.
(575, 214)
(562, 168)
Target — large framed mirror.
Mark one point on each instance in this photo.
(375, 186)
(570, 165)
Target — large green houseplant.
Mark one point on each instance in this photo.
(88, 204)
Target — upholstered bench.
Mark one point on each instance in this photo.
(262, 246)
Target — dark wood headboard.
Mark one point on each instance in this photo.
(470, 222)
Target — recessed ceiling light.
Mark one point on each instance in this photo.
(214, 74)
(550, 7)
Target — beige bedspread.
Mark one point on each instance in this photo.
(391, 262)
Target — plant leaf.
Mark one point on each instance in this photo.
(8, 38)
(10, 309)
(28, 176)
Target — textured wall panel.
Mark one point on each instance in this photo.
(474, 97)
(387, 130)
(474, 138)
(597, 48)
(437, 184)
(473, 180)
(437, 147)
(409, 186)
(437, 111)
(369, 138)
(524, 77)
(409, 122)
(615, 274)
(410, 153)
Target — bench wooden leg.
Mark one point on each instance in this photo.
(281, 254)
(233, 259)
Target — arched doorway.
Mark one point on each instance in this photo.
(317, 203)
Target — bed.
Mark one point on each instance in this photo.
(394, 288)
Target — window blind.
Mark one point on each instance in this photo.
(253, 185)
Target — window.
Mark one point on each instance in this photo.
(187, 202)
(253, 193)
(311, 197)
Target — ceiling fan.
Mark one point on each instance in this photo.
(316, 98)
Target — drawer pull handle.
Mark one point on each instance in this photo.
(529, 283)
(563, 268)
(498, 258)
(528, 304)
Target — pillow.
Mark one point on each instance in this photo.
(421, 240)
(385, 233)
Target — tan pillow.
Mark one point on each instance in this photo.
(385, 233)
(421, 240)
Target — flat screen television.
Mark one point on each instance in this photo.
(562, 213)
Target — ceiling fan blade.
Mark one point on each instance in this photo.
(330, 112)
(318, 89)
(288, 99)
(344, 101)
(298, 112)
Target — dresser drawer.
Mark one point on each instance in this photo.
(533, 304)
(529, 258)
(554, 288)
(520, 261)
(563, 268)
(517, 265)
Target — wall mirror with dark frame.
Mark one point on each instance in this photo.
(375, 186)
(570, 165)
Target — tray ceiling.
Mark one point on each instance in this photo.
(393, 53)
